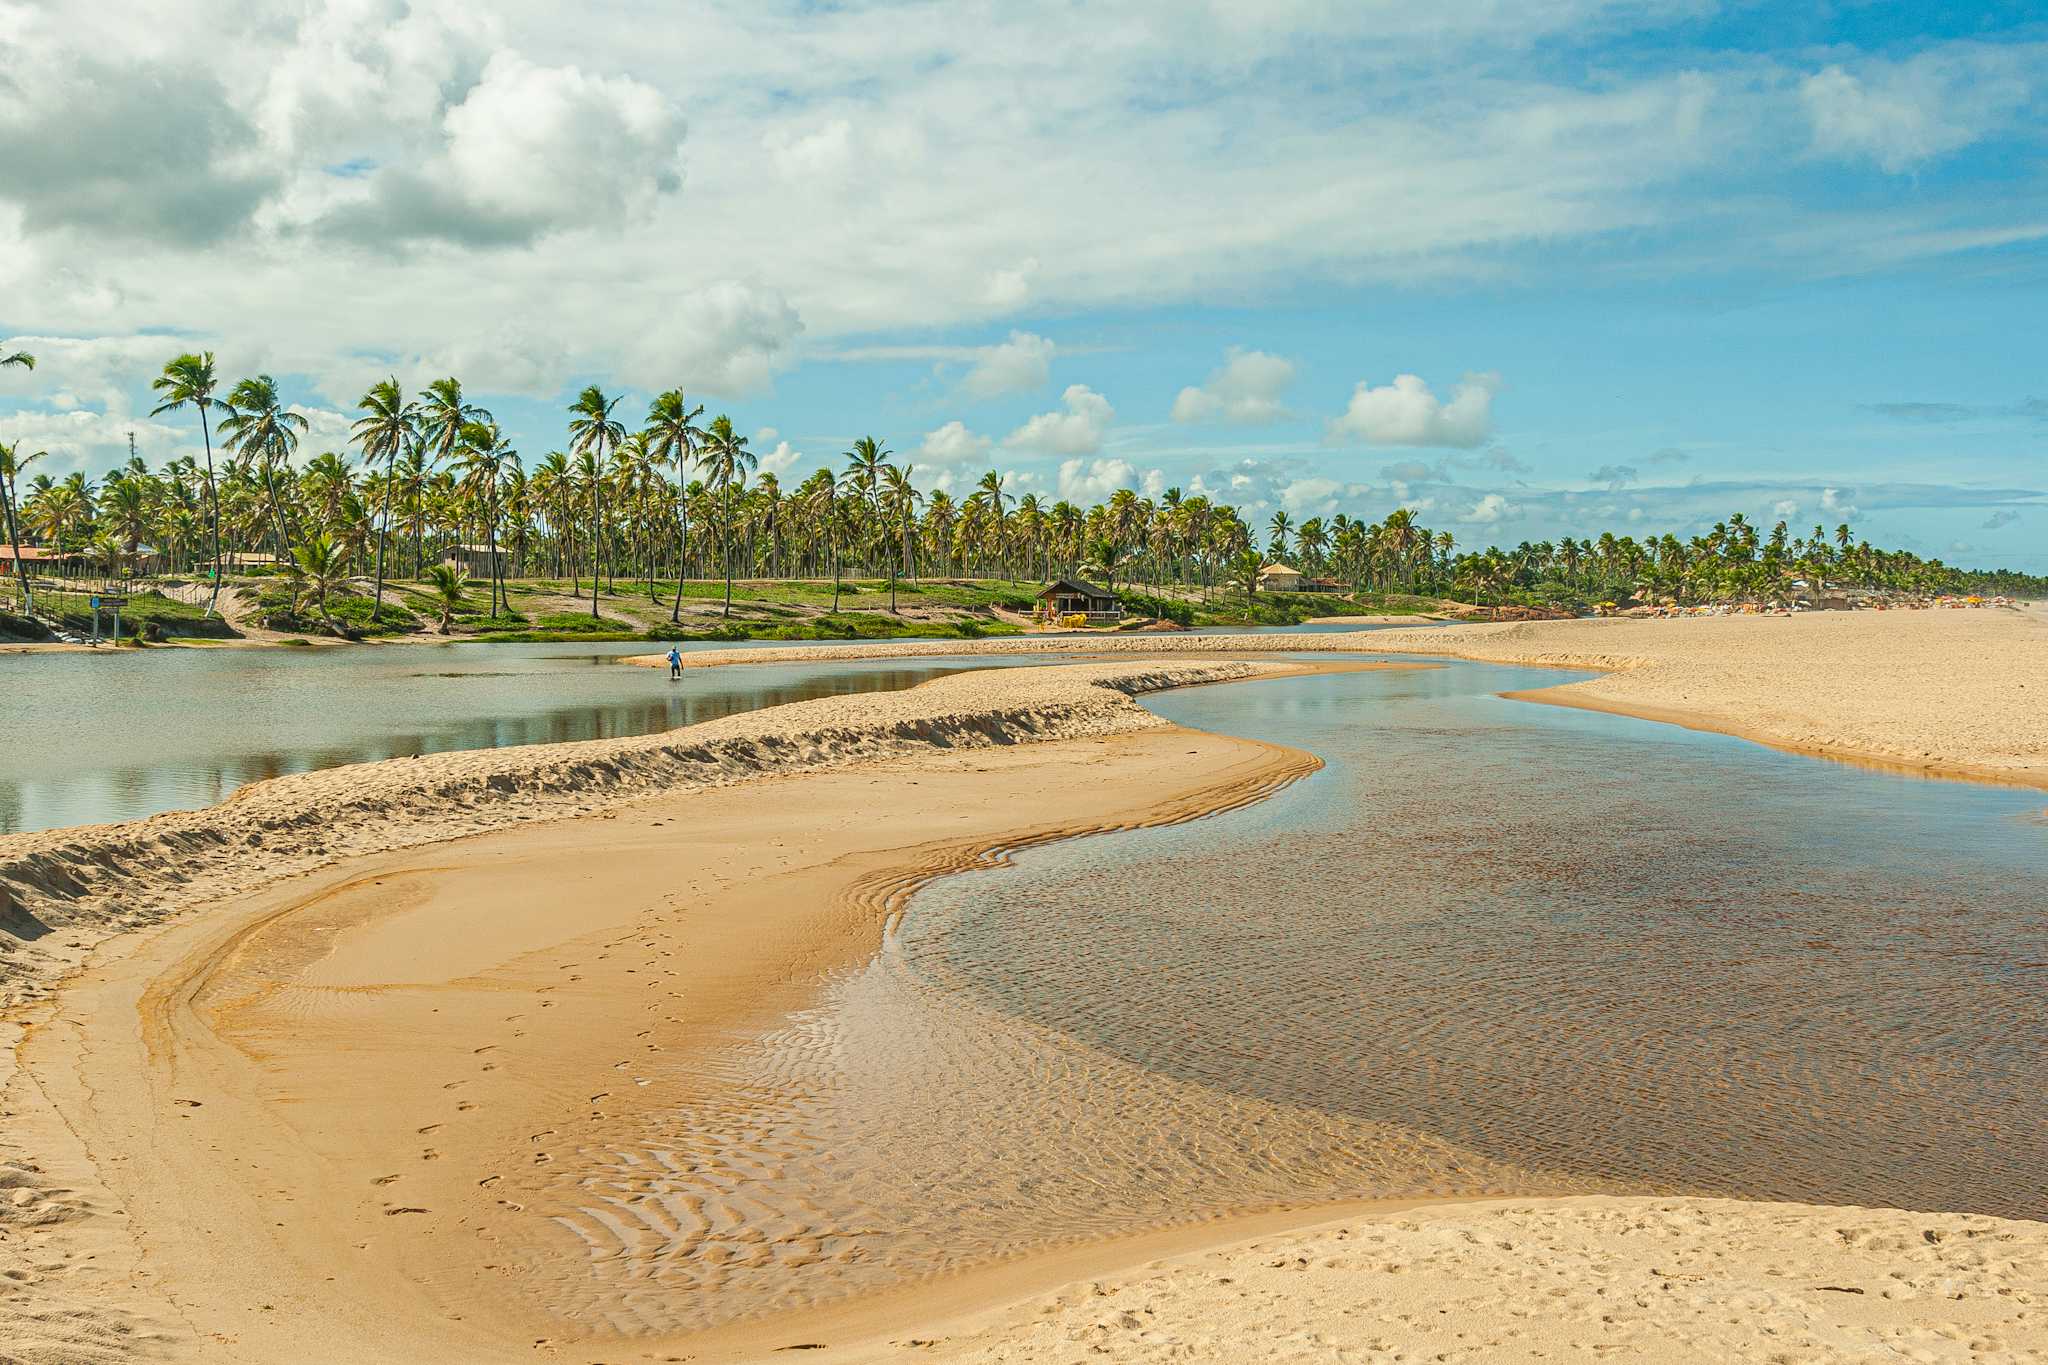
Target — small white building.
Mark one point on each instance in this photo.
(1280, 578)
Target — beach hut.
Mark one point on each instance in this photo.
(475, 561)
(1073, 597)
(1280, 578)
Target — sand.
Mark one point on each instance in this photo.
(331, 1117)
(1595, 1278)
(64, 890)
(416, 982)
(1947, 693)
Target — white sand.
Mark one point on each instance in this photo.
(1646, 1280)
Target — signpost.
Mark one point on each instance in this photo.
(113, 604)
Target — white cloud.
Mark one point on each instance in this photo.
(1315, 496)
(1009, 287)
(1022, 363)
(953, 443)
(1838, 502)
(1490, 510)
(729, 339)
(1406, 413)
(1077, 431)
(1090, 481)
(1246, 390)
(1785, 508)
(1902, 114)
(780, 460)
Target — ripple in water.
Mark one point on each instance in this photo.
(1491, 948)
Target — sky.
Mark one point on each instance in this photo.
(1531, 269)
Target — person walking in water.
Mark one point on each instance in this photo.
(675, 662)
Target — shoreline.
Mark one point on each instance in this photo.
(212, 1071)
(1875, 689)
(62, 891)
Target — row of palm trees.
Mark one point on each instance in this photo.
(676, 498)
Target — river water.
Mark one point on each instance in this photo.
(1492, 947)
(92, 738)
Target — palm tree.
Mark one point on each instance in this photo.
(482, 461)
(321, 565)
(900, 499)
(443, 413)
(725, 458)
(672, 434)
(188, 381)
(11, 465)
(554, 488)
(592, 433)
(263, 433)
(388, 425)
(446, 581)
(1245, 569)
(21, 358)
(863, 478)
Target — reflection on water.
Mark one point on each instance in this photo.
(93, 738)
(1491, 947)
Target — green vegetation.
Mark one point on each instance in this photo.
(654, 530)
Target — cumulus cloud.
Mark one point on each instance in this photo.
(1089, 481)
(1407, 413)
(527, 151)
(1246, 390)
(953, 443)
(2004, 516)
(781, 459)
(1615, 476)
(1312, 496)
(1785, 508)
(125, 149)
(1022, 363)
(729, 339)
(1076, 431)
(1669, 455)
(1838, 502)
(1490, 509)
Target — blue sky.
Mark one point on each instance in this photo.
(1532, 270)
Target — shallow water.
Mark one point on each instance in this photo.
(89, 738)
(1491, 947)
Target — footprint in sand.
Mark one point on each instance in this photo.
(428, 1129)
(384, 1180)
(465, 1106)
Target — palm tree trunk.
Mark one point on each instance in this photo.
(213, 499)
(383, 531)
(682, 538)
(725, 539)
(14, 540)
(596, 541)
